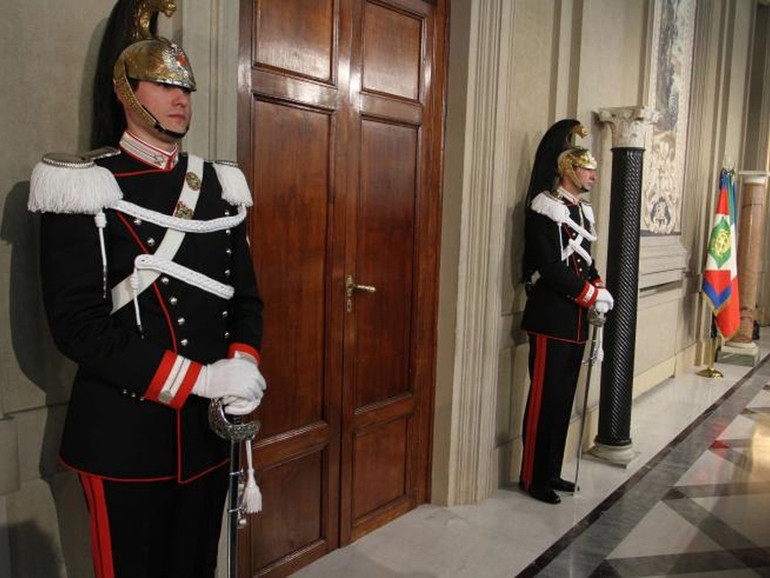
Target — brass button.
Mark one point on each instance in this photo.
(164, 280)
(173, 300)
(180, 321)
(150, 242)
(227, 272)
(184, 342)
(224, 314)
(137, 222)
(227, 335)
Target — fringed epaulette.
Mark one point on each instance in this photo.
(546, 204)
(588, 211)
(235, 189)
(73, 183)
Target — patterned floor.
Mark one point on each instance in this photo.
(701, 507)
(696, 503)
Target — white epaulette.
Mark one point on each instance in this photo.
(546, 204)
(235, 189)
(67, 183)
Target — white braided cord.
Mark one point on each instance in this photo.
(184, 274)
(184, 225)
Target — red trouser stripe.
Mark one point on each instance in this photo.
(533, 411)
(101, 543)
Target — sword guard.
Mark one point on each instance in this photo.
(595, 318)
(231, 431)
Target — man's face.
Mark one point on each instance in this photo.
(171, 105)
(586, 176)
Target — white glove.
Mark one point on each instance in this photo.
(604, 301)
(237, 381)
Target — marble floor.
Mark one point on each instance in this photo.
(695, 503)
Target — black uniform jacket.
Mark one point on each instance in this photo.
(557, 305)
(118, 425)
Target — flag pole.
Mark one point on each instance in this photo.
(710, 371)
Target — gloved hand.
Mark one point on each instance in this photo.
(237, 381)
(604, 301)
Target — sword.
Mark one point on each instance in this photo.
(596, 320)
(235, 431)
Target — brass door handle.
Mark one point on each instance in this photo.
(351, 286)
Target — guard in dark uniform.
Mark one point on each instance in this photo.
(149, 287)
(562, 284)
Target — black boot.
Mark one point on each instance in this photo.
(546, 495)
(562, 485)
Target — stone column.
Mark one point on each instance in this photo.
(751, 224)
(629, 126)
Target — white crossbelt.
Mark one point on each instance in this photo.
(159, 265)
(147, 271)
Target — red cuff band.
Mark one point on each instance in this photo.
(242, 348)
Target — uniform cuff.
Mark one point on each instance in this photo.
(173, 381)
(242, 349)
(587, 296)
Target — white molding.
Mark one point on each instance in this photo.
(662, 260)
(754, 177)
(629, 124)
(473, 466)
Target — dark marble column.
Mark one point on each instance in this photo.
(613, 441)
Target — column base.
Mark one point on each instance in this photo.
(738, 353)
(620, 456)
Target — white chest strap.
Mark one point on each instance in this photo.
(133, 285)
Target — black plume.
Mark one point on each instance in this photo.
(544, 170)
(108, 120)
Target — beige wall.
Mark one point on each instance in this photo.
(567, 58)
(47, 60)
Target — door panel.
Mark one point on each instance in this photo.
(340, 138)
(297, 482)
(379, 473)
(296, 36)
(392, 50)
(293, 263)
(384, 259)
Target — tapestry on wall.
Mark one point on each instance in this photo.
(669, 93)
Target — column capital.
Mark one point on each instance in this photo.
(754, 177)
(628, 124)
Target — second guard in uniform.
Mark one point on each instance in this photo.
(562, 284)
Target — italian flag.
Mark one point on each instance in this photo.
(720, 277)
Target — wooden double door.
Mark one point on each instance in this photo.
(341, 124)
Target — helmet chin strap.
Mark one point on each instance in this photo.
(163, 130)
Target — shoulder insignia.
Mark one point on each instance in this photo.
(235, 189)
(72, 183)
(102, 153)
(551, 207)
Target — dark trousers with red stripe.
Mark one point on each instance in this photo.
(156, 529)
(554, 367)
